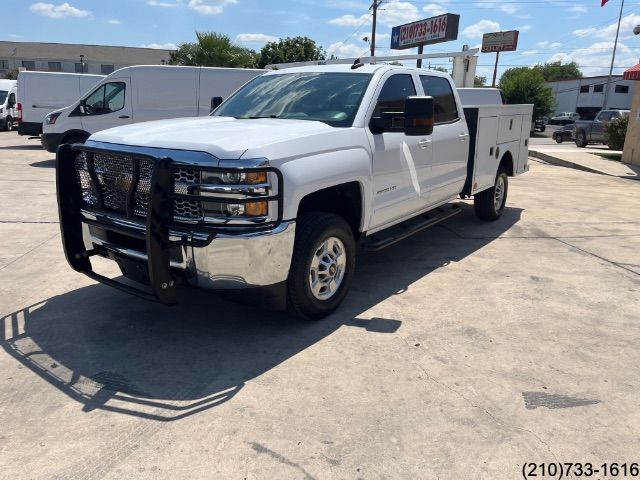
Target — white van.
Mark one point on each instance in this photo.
(142, 93)
(41, 92)
(481, 96)
(7, 103)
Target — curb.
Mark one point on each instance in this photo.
(564, 163)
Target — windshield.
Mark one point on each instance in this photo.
(330, 97)
(3, 96)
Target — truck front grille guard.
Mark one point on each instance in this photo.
(162, 228)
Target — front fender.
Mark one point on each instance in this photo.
(312, 173)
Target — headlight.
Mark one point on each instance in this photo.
(51, 118)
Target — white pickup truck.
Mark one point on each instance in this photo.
(280, 186)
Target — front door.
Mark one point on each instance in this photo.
(107, 106)
(399, 161)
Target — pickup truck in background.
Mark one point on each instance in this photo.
(277, 190)
(593, 131)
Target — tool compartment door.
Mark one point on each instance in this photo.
(510, 128)
(486, 148)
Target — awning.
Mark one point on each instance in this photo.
(633, 73)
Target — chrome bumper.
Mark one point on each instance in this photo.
(248, 260)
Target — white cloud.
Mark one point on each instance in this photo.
(393, 13)
(347, 50)
(435, 9)
(350, 20)
(210, 7)
(609, 32)
(58, 11)
(501, 5)
(549, 45)
(478, 29)
(524, 28)
(15, 35)
(596, 58)
(160, 46)
(255, 38)
(114, 21)
(163, 4)
(577, 9)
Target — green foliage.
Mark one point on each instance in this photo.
(441, 69)
(213, 50)
(616, 132)
(558, 71)
(527, 85)
(290, 49)
(479, 81)
(11, 74)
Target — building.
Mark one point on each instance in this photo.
(586, 95)
(71, 58)
(631, 152)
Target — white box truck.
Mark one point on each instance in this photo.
(273, 192)
(41, 92)
(142, 93)
(8, 90)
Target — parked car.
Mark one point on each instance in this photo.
(142, 93)
(272, 192)
(564, 118)
(42, 92)
(594, 131)
(563, 134)
(8, 115)
(539, 125)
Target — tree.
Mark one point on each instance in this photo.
(296, 49)
(213, 50)
(553, 71)
(527, 85)
(479, 81)
(12, 74)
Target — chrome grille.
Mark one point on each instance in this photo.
(115, 174)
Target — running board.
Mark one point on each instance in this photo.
(391, 235)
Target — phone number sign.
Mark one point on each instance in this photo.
(443, 28)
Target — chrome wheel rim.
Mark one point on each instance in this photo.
(498, 196)
(327, 268)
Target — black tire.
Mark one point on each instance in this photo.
(559, 139)
(485, 202)
(543, 128)
(74, 138)
(8, 126)
(312, 230)
(581, 139)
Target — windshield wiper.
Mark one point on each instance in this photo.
(262, 116)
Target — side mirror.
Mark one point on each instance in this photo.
(215, 102)
(418, 116)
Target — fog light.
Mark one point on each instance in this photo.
(256, 209)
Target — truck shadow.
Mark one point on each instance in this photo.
(110, 351)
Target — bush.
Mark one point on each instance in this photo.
(616, 132)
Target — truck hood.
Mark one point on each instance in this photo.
(223, 137)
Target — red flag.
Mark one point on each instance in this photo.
(604, 2)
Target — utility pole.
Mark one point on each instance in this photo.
(495, 69)
(613, 59)
(374, 6)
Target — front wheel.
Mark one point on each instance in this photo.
(558, 138)
(489, 204)
(322, 265)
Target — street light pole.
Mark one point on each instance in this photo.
(374, 6)
(613, 59)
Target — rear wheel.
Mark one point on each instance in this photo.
(581, 139)
(9, 124)
(322, 265)
(558, 138)
(489, 204)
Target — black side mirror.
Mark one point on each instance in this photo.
(215, 102)
(418, 116)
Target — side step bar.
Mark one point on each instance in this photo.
(391, 235)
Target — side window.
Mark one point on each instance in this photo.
(445, 109)
(12, 100)
(392, 98)
(107, 98)
(604, 116)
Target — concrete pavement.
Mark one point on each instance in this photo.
(461, 352)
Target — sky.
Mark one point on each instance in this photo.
(550, 30)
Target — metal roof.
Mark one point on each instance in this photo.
(633, 73)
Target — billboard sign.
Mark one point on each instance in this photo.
(442, 28)
(500, 41)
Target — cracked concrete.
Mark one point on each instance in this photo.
(447, 360)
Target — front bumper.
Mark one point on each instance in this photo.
(162, 253)
(51, 141)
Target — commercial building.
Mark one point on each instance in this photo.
(631, 153)
(71, 58)
(586, 95)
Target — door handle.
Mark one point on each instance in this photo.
(463, 137)
(123, 116)
(424, 143)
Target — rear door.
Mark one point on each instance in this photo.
(107, 106)
(450, 141)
